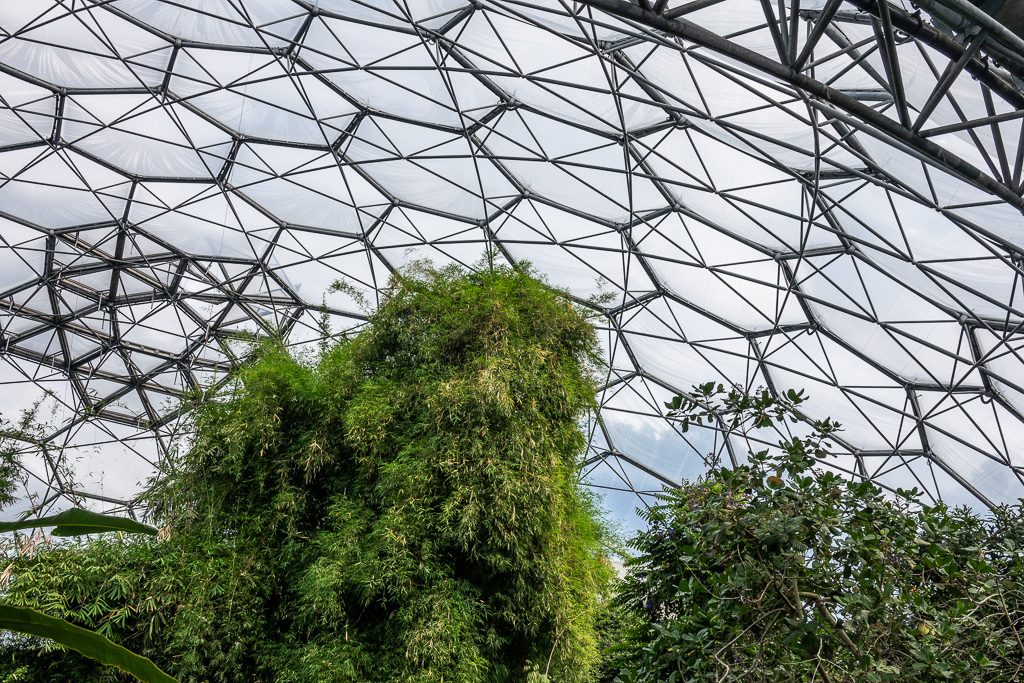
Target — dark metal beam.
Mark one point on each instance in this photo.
(822, 22)
(891, 61)
(827, 97)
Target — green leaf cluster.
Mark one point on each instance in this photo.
(773, 571)
(402, 507)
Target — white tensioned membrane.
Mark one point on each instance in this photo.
(173, 173)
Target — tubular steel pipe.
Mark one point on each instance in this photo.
(972, 16)
(937, 40)
(938, 156)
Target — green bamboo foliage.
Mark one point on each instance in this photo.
(402, 507)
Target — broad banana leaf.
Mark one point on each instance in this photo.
(76, 522)
(90, 644)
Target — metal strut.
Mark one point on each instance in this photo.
(835, 99)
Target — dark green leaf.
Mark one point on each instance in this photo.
(77, 522)
(88, 643)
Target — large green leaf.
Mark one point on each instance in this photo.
(76, 522)
(90, 644)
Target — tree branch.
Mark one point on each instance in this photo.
(823, 609)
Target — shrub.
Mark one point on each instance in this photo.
(774, 571)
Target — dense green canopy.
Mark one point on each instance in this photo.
(403, 506)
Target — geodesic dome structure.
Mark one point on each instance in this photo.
(809, 194)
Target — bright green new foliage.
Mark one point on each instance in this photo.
(404, 507)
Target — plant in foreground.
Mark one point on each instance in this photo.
(405, 506)
(780, 571)
(26, 621)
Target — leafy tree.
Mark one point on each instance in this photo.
(14, 437)
(774, 571)
(402, 507)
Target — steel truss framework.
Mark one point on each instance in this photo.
(792, 194)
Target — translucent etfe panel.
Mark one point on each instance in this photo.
(145, 136)
(571, 168)
(26, 111)
(393, 72)
(81, 49)
(22, 254)
(929, 476)
(617, 365)
(312, 263)
(876, 315)
(588, 259)
(399, 13)
(220, 22)
(633, 422)
(1002, 356)
(307, 188)
(59, 189)
(429, 167)
(195, 219)
(91, 448)
(748, 197)
(261, 96)
(401, 238)
(734, 282)
(173, 174)
(872, 407)
(561, 23)
(551, 74)
(623, 490)
(157, 326)
(727, 360)
(976, 440)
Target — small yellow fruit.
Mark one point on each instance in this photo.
(923, 629)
